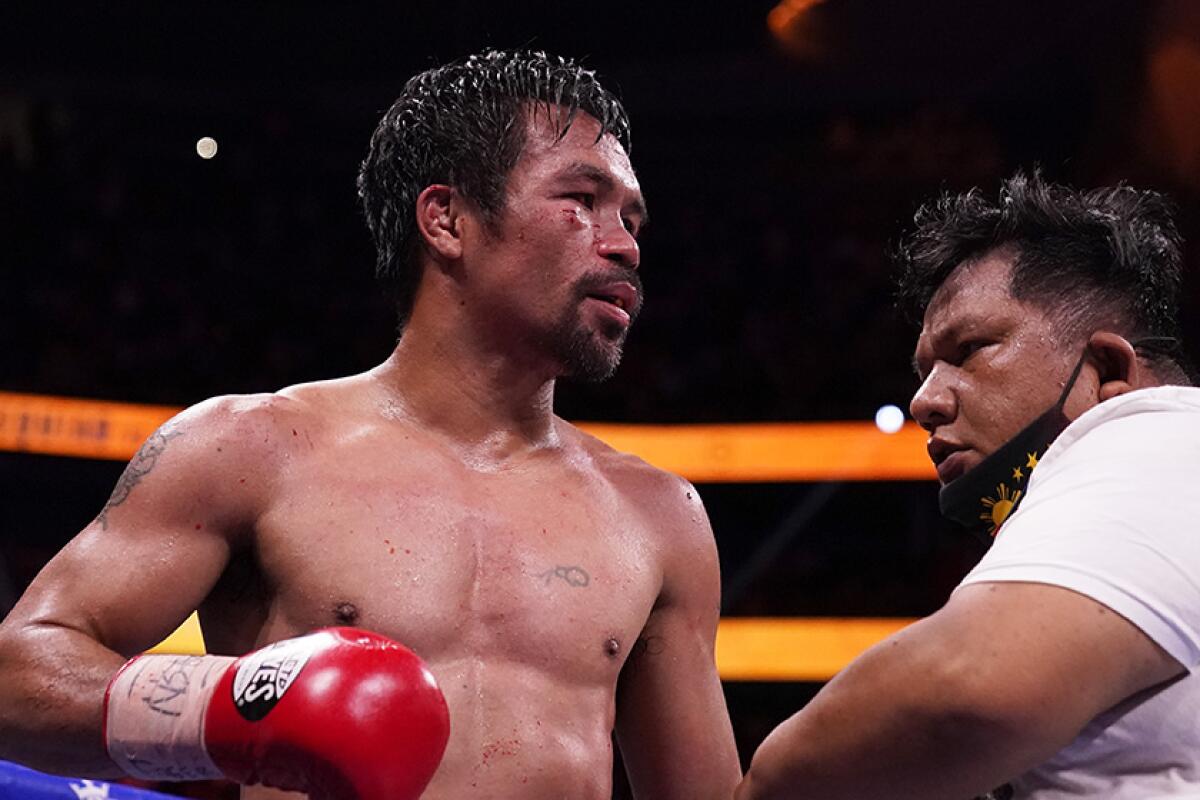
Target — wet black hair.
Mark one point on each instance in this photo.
(464, 125)
(1109, 257)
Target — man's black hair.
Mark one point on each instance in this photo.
(1106, 258)
(464, 125)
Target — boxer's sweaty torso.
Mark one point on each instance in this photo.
(524, 582)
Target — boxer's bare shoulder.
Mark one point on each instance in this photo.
(668, 506)
(234, 426)
(670, 499)
(258, 430)
(178, 465)
(218, 464)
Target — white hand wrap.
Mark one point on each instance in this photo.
(154, 716)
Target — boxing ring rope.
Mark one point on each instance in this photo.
(748, 649)
(21, 783)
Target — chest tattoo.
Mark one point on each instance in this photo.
(573, 576)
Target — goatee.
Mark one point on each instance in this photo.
(588, 354)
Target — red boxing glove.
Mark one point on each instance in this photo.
(342, 714)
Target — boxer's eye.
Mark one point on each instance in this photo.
(585, 199)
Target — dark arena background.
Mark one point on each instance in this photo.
(782, 148)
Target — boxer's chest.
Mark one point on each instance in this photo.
(541, 567)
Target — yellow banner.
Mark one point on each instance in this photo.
(796, 648)
(748, 648)
(751, 452)
(64, 426)
(775, 451)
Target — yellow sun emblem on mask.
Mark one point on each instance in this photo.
(996, 509)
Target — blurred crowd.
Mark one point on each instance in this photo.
(135, 270)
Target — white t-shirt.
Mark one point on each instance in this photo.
(1113, 512)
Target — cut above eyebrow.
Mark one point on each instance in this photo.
(581, 169)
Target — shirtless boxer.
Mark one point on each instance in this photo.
(558, 590)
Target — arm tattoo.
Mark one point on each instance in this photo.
(573, 576)
(139, 467)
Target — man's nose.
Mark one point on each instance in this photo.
(618, 244)
(934, 403)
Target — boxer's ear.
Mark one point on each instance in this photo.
(1116, 362)
(439, 221)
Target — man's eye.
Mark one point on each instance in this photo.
(585, 199)
(971, 347)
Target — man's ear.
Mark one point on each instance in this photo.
(1116, 364)
(439, 210)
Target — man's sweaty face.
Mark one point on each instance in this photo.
(566, 254)
(989, 364)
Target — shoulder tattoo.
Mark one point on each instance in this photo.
(139, 467)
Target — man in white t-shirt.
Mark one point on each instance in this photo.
(1064, 666)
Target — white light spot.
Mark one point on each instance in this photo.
(206, 147)
(889, 419)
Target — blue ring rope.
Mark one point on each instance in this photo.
(22, 783)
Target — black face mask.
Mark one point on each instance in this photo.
(982, 499)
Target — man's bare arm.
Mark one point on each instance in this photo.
(672, 724)
(122, 584)
(998, 681)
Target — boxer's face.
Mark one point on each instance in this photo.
(557, 268)
(988, 363)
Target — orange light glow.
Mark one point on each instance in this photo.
(783, 16)
(731, 453)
